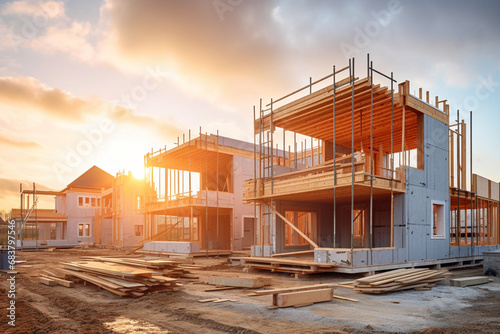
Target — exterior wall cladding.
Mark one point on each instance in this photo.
(413, 239)
(422, 187)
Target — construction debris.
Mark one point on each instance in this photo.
(468, 281)
(397, 280)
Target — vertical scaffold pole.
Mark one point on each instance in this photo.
(351, 77)
(370, 74)
(334, 168)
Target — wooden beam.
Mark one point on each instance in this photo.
(46, 281)
(59, 281)
(304, 297)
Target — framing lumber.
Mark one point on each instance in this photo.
(59, 281)
(304, 297)
(468, 281)
(47, 281)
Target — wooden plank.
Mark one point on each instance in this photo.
(468, 281)
(59, 281)
(377, 277)
(221, 288)
(311, 251)
(47, 281)
(207, 300)
(239, 282)
(345, 298)
(224, 300)
(109, 268)
(292, 289)
(304, 297)
(122, 282)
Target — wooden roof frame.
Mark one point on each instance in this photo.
(197, 155)
(312, 115)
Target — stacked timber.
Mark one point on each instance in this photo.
(121, 276)
(401, 279)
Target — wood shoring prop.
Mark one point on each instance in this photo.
(292, 226)
(154, 237)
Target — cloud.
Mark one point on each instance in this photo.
(34, 8)
(9, 193)
(234, 53)
(72, 40)
(165, 129)
(28, 92)
(56, 104)
(17, 143)
(219, 59)
(9, 187)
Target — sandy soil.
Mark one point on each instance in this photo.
(85, 309)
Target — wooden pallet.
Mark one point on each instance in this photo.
(276, 264)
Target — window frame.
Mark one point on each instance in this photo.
(441, 233)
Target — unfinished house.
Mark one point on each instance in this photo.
(94, 208)
(119, 220)
(79, 202)
(357, 174)
(199, 203)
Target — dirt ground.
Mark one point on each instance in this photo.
(85, 309)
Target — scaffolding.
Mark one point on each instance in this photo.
(31, 220)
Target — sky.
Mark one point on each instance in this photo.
(102, 82)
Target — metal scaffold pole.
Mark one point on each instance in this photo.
(351, 76)
(370, 74)
(334, 168)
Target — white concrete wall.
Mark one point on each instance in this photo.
(79, 215)
(243, 169)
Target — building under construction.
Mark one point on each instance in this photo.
(199, 205)
(360, 173)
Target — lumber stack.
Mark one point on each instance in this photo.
(132, 277)
(401, 279)
(176, 268)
